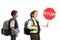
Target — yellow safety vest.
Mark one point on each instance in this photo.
(34, 30)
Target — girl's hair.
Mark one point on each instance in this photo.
(32, 13)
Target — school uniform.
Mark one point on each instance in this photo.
(34, 33)
(14, 24)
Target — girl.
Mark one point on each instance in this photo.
(34, 26)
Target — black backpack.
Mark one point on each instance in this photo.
(26, 30)
(6, 29)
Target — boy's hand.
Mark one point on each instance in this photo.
(17, 34)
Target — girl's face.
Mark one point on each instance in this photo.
(35, 14)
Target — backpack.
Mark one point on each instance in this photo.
(6, 29)
(26, 30)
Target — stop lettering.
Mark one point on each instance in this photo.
(49, 13)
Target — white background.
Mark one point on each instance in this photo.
(24, 7)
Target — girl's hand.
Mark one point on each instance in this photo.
(47, 24)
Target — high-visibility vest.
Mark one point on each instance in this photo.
(36, 28)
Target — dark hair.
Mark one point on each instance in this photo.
(13, 12)
(32, 13)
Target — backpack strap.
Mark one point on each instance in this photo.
(16, 24)
(32, 21)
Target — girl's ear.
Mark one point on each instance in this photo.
(32, 15)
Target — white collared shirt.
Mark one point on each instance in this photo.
(30, 23)
(12, 23)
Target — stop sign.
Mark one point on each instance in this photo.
(49, 13)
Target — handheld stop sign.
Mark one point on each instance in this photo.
(49, 13)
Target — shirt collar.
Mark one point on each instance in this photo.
(15, 18)
(33, 18)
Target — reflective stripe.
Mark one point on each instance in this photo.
(34, 30)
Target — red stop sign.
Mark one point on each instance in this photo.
(49, 13)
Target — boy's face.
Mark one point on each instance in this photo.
(35, 15)
(16, 15)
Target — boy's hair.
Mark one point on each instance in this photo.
(13, 12)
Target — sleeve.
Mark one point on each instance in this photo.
(29, 26)
(43, 25)
(12, 23)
